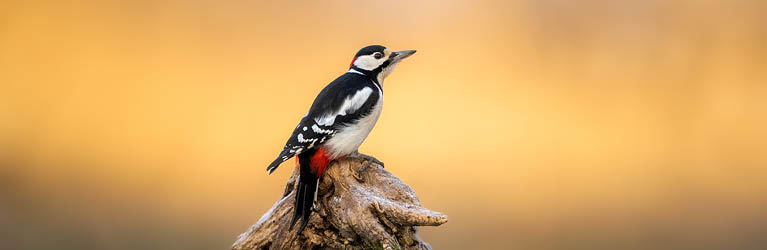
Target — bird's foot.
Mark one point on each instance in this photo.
(358, 174)
(363, 158)
(366, 161)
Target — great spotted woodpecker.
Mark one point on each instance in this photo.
(341, 117)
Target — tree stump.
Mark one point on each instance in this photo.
(357, 208)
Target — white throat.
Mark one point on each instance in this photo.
(385, 72)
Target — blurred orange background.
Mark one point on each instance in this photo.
(533, 124)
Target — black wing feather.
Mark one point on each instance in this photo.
(309, 134)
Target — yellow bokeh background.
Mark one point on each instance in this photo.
(545, 124)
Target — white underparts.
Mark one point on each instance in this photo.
(349, 138)
(386, 71)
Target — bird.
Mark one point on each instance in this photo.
(338, 121)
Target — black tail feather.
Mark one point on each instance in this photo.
(307, 186)
(298, 204)
(274, 165)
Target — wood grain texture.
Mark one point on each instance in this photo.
(360, 206)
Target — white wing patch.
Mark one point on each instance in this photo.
(319, 130)
(348, 138)
(302, 140)
(351, 104)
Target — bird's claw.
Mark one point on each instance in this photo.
(358, 177)
(358, 174)
(368, 158)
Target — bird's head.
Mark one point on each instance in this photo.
(377, 61)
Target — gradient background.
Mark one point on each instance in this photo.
(533, 124)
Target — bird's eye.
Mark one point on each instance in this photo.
(378, 55)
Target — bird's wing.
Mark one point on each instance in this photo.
(341, 102)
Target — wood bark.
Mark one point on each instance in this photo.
(359, 206)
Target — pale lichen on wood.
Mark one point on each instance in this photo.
(357, 208)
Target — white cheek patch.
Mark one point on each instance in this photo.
(368, 62)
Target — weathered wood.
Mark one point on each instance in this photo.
(358, 208)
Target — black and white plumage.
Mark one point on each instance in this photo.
(339, 120)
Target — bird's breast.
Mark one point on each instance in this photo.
(349, 138)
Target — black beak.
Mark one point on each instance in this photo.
(399, 55)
